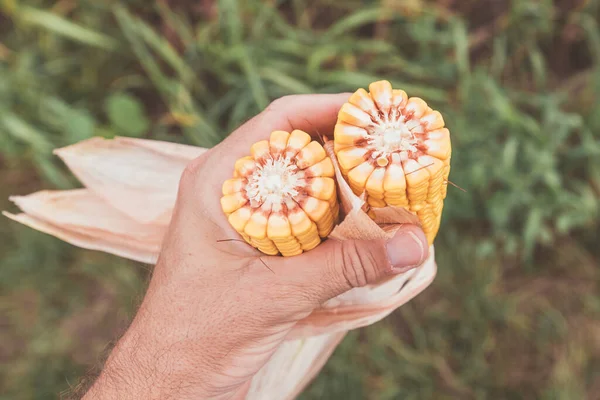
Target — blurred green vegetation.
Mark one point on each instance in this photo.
(514, 311)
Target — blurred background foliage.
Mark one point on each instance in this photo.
(514, 311)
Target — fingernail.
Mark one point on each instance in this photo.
(406, 250)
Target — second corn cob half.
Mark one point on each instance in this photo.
(282, 198)
(396, 150)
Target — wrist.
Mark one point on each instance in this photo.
(141, 369)
(150, 362)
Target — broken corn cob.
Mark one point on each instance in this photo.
(395, 149)
(282, 198)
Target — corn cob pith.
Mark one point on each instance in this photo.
(282, 198)
(395, 149)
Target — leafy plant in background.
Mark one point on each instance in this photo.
(517, 81)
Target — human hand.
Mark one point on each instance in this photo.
(216, 311)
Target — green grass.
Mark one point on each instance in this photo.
(514, 312)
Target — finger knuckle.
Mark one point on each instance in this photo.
(355, 269)
(191, 172)
(280, 104)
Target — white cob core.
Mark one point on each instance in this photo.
(392, 136)
(276, 180)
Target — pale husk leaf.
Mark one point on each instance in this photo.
(136, 176)
(84, 219)
(117, 247)
(292, 367)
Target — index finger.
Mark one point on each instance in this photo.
(312, 113)
(315, 114)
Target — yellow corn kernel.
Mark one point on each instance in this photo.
(396, 150)
(353, 115)
(323, 168)
(416, 106)
(358, 176)
(348, 135)
(321, 188)
(240, 217)
(374, 184)
(282, 198)
(318, 211)
(280, 232)
(303, 228)
(234, 185)
(244, 166)
(260, 149)
(381, 92)
(399, 100)
(350, 157)
(278, 142)
(297, 141)
(373, 202)
(232, 202)
(311, 154)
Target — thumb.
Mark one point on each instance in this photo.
(337, 266)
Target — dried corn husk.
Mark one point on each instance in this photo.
(83, 219)
(122, 174)
(136, 176)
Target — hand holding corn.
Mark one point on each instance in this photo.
(216, 308)
(392, 149)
